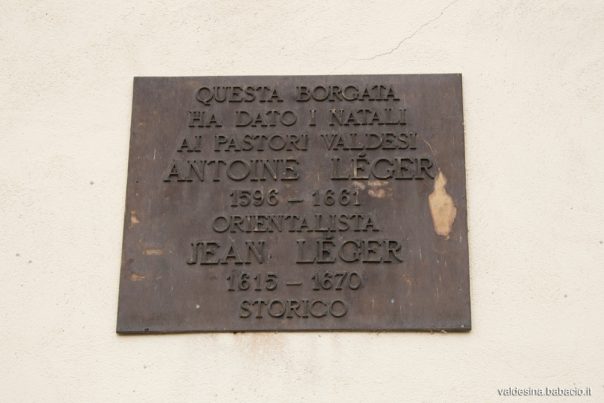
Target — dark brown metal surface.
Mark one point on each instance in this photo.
(295, 203)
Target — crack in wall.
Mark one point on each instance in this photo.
(402, 41)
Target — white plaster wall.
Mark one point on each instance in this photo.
(533, 77)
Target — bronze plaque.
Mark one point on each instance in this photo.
(295, 203)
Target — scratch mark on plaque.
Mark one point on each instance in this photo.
(153, 252)
(442, 207)
(136, 277)
(429, 145)
(133, 218)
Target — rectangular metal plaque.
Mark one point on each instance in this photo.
(295, 203)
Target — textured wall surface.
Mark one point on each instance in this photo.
(533, 77)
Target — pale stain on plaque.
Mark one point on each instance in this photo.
(153, 252)
(133, 218)
(136, 277)
(377, 188)
(442, 207)
(359, 185)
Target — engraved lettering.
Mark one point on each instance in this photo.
(214, 252)
(333, 93)
(349, 251)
